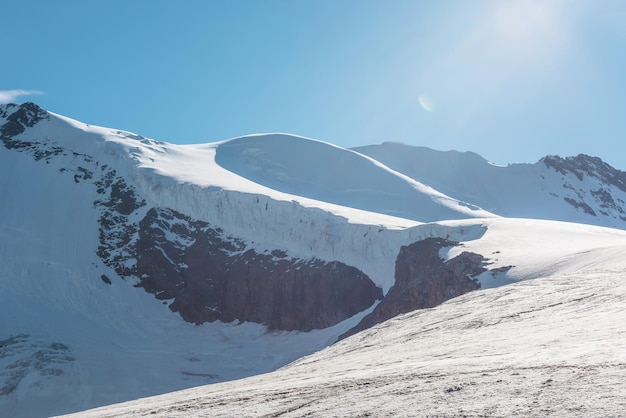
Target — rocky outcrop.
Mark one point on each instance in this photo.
(583, 165)
(117, 233)
(604, 198)
(211, 276)
(17, 119)
(24, 116)
(424, 280)
(117, 200)
(607, 203)
(580, 205)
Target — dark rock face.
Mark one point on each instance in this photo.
(25, 115)
(580, 205)
(18, 118)
(606, 202)
(116, 232)
(117, 200)
(585, 166)
(424, 280)
(213, 277)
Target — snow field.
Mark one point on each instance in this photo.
(554, 346)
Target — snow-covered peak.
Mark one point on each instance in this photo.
(325, 172)
(575, 189)
(584, 165)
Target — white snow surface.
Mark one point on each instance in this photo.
(125, 344)
(551, 346)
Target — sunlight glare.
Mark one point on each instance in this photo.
(531, 29)
(514, 43)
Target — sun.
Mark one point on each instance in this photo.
(534, 30)
(523, 20)
(507, 50)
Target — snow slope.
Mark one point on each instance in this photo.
(552, 346)
(537, 190)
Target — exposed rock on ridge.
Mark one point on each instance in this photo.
(26, 115)
(582, 165)
(585, 166)
(573, 189)
(425, 280)
(116, 199)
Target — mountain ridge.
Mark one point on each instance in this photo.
(592, 190)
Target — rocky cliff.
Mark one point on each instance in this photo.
(603, 196)
(425, 280)
(211, 276)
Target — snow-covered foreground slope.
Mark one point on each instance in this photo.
(575, 189)
(552, 346)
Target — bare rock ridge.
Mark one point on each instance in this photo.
(212, 276)
(582, 165)
(585, 166)
(26, 116)
(424, 280)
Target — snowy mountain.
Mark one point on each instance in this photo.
(328, 173)
(552, 346)
(131, 267)
(575, 189)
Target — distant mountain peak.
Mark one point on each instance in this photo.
(583, 164)
(20, 117)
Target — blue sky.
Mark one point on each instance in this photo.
(512, 80)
